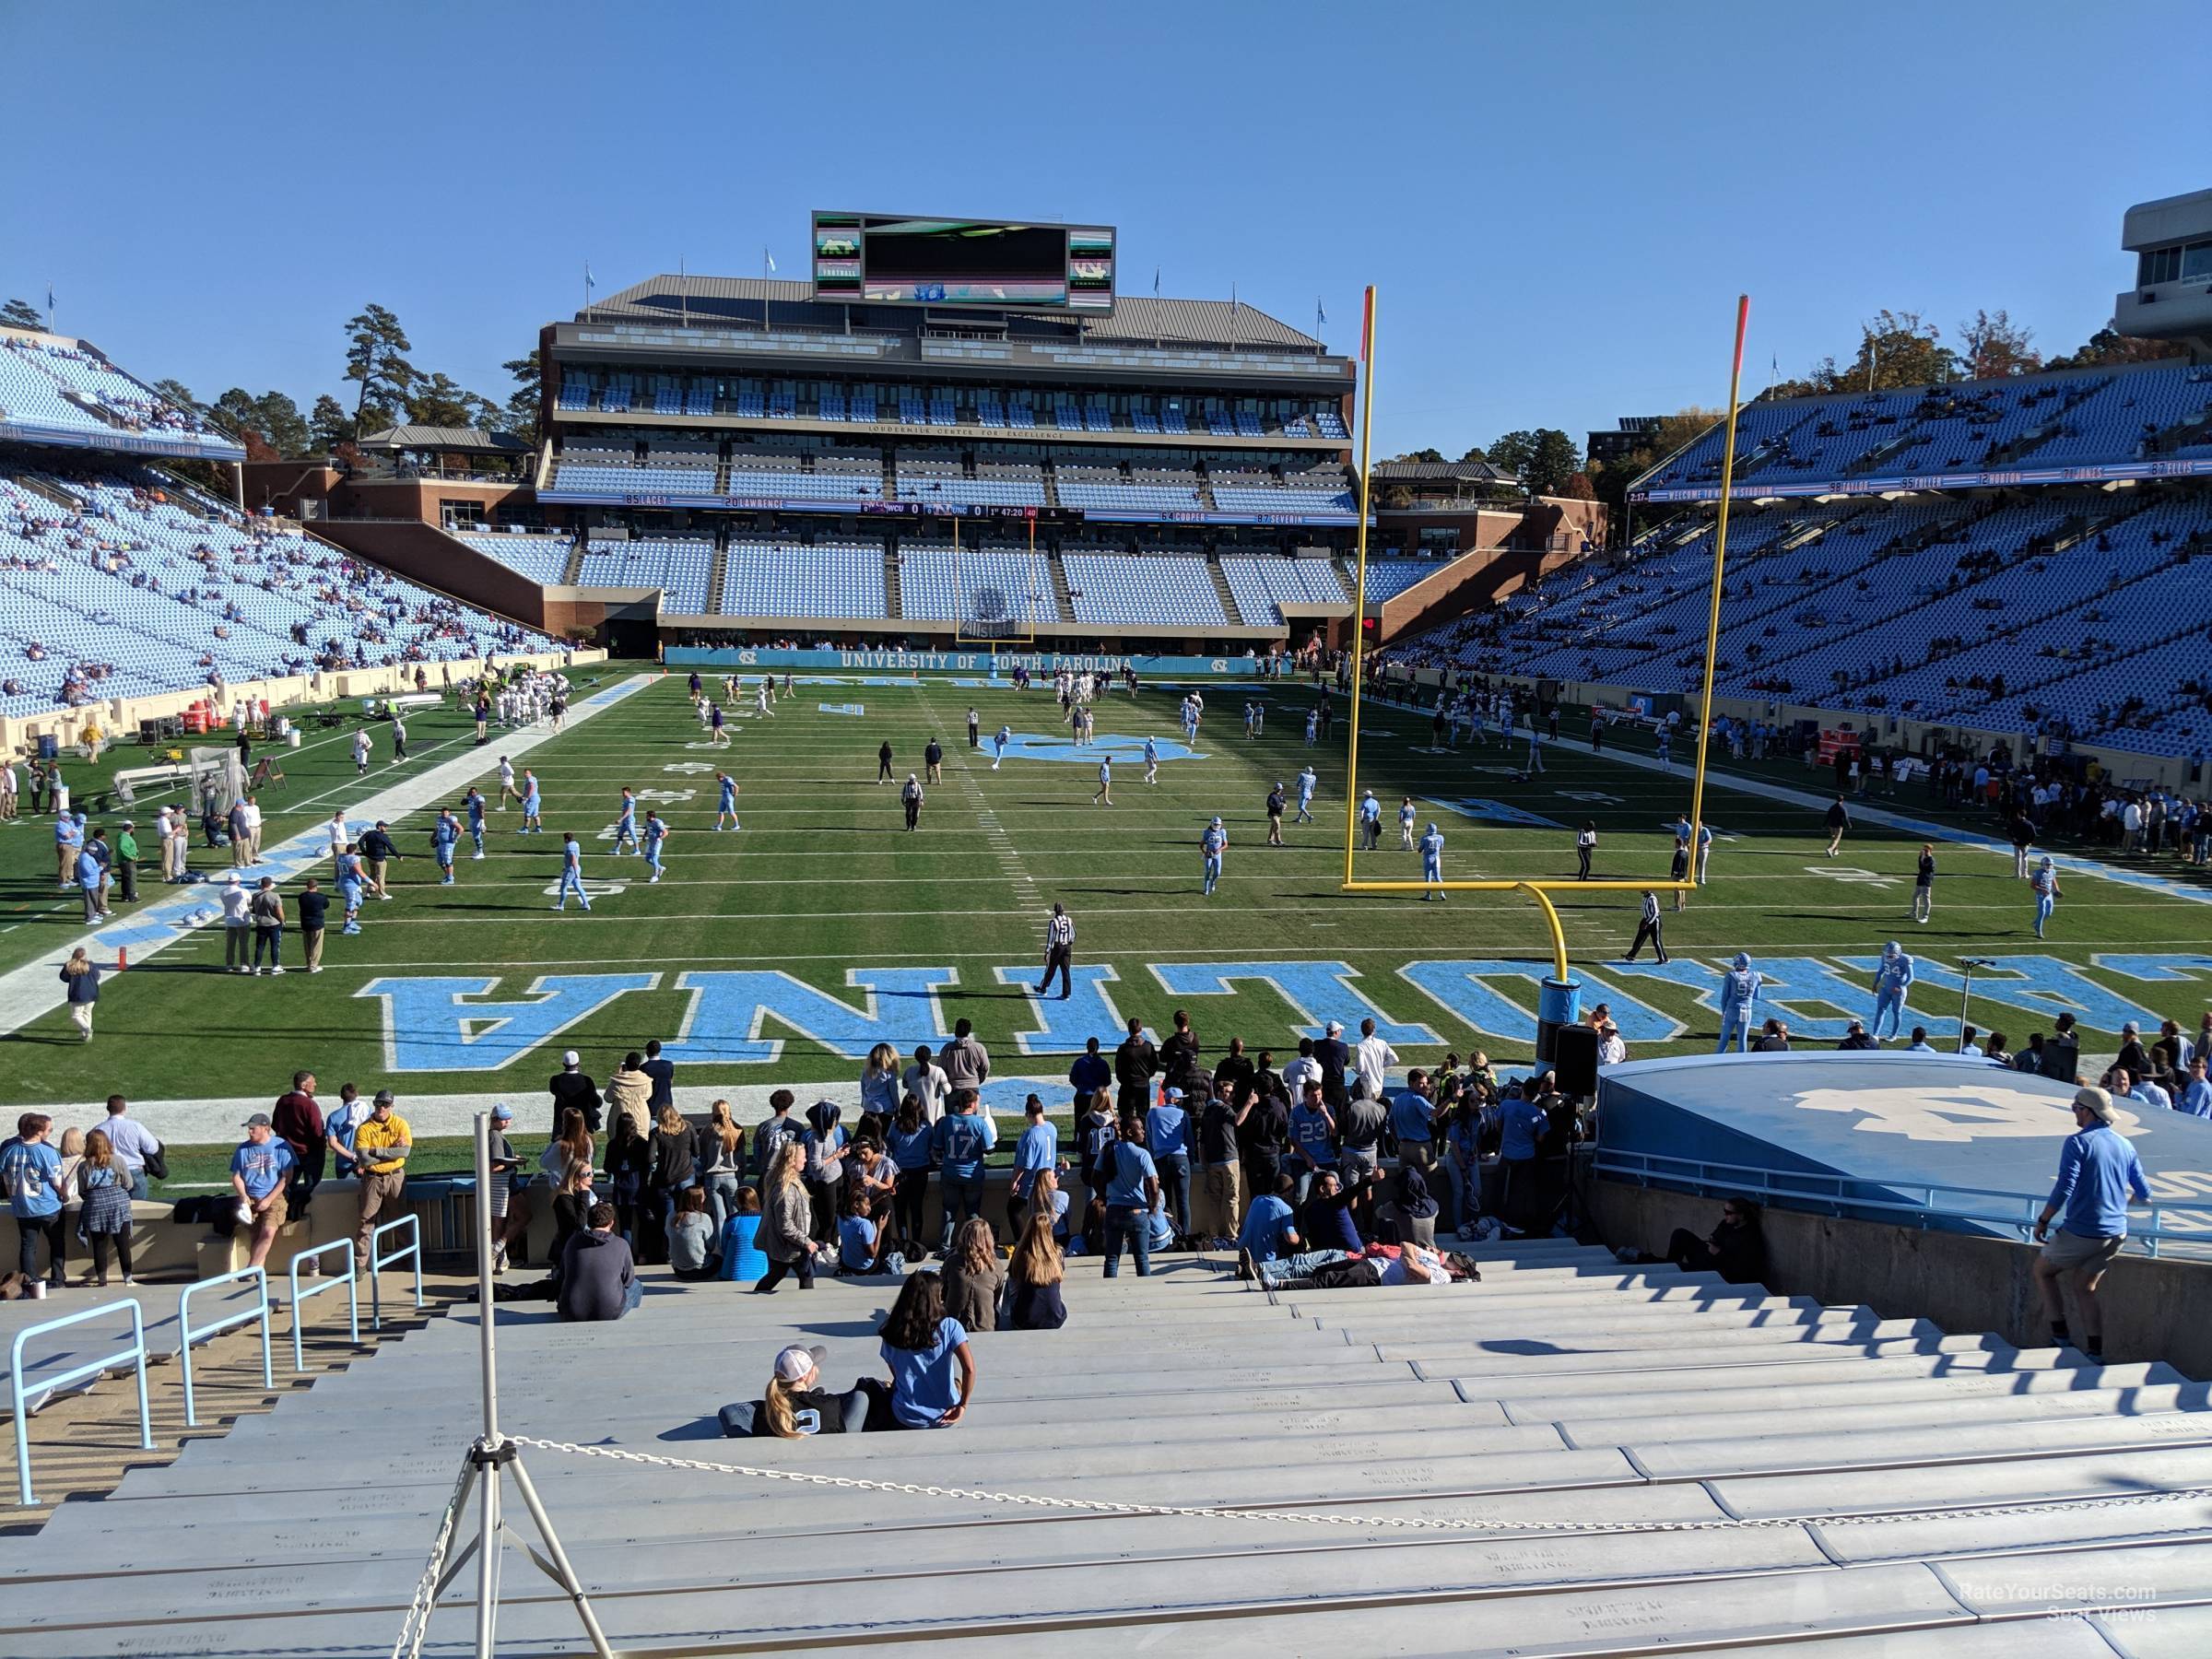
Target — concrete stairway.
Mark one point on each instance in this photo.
(1563, 1388)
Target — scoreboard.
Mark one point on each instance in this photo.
(885, 259)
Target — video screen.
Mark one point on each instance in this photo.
(885, 260)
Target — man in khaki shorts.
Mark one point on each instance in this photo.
(379, 1150)
(2099, 1176)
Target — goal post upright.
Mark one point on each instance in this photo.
(1541, 888)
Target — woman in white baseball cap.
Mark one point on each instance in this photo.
(795, 1403)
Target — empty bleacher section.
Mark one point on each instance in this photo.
(664, 472)
(941, 479)
(985, 584)
(57, 391)
(830, 580)
(1322, 491)
(679, 568)
(542, 558)
(124, 583)
(786, 475)
(1263, 582)
(2062, 612)
(2085, 418)
(1571, 1457)
(1136, 493)
(1150, 590)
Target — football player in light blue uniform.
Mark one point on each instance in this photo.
(350, 879)
(1307, 784)
(1151, 762)
(655, 833)
(475, 804)
(999, 739)
(1740, 987)
(1433, 863)
(626, 824)
(1105, 794)
(2044, 884)
(1892, 978)
(572, 875)
(725, 804)
(532, 820)
(445, 835)
(1212, 843)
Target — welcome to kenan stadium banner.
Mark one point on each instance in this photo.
(183, 444)
(484, 1021)
(2110, 473)
(957, 662)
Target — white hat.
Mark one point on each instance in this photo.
(794, 1363)
(570, 1057)
(230, 878)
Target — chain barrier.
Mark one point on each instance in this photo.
(417, 1625)
(1381, 1522)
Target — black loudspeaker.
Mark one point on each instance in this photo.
(1574, 1058)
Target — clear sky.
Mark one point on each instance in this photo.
(1558, 204)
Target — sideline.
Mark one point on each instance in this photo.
(1886, 818)
(34, 988)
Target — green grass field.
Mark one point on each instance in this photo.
(823, 879)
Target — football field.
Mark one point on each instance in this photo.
(779, 953)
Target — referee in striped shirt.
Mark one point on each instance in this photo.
(1059, 948)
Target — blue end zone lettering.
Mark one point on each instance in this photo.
(1063, 1027)
(2039, 984)
(2157, 969)
(1459, 986)
(1306, 986)
(1793, 984)
(1496, 812)
(729, 1011)
(430, 1026)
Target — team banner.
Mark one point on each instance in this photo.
(991, 662)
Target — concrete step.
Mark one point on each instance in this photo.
(1788, 1395)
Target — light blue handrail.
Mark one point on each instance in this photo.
(134, 1357)
(330, 1282)
(2168, 1224)
(378, 1260)
(256, 1309)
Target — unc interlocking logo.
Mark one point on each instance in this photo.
(1964, 1111)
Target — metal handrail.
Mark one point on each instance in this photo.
(2167, 1223)
(258, 1309)
(330, 1282)
(378, 1260)
(134, 1356)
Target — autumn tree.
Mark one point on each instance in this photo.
(2109, 348)
(1994, 346)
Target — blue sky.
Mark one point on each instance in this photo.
(1559, 205)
